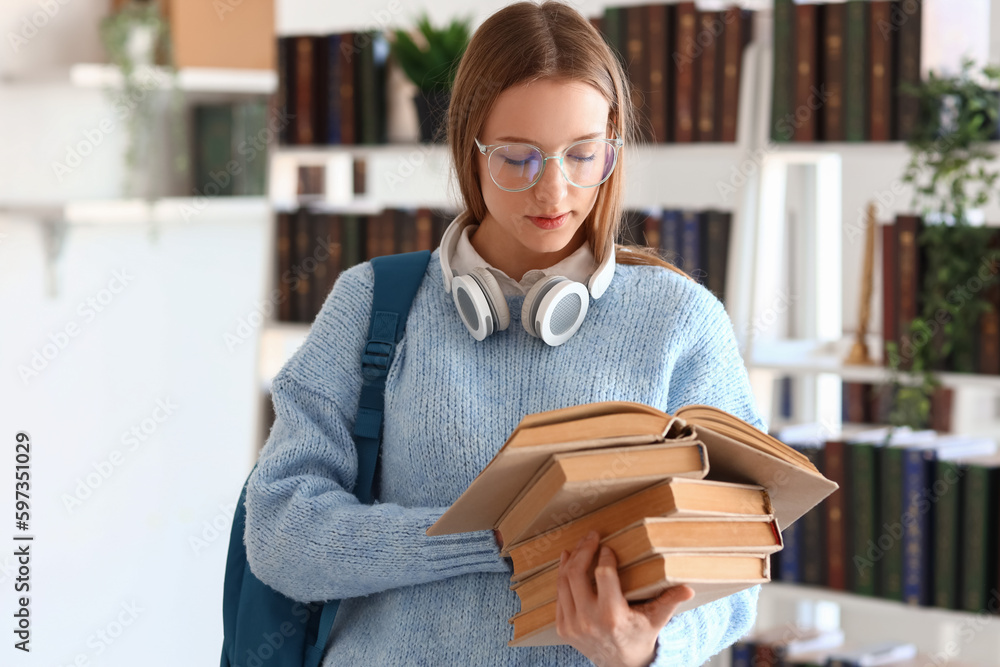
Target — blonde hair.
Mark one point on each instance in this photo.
(552, 41)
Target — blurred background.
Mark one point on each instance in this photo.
(181, 182)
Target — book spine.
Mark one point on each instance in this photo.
(890, 330)
(707, 76)
(834, 21)
(974, 527)
(806, 71)
(916, 529)
(836, 515)
(691, 242)
(907, 16)
(320, 81)
(353, 240)
(880, 70)
(717, 251)
(942, 401)
(334, 104)
(285, 94)
(889, 567)
(669, 232)
(686, 102)
(732, 59)
(638, 72)
(302, 298)
(791, 566)
(380, 76)
(364, 86)
(283, 244)
(783, 89)
(813, 537)
(861, 467)
(908, 267)
(947, 521)
(214, 130)
(348, 93)
(856, 68)
(658, 68)
(321, 275)
(304, 62)
(425, 229)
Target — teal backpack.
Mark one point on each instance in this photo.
(262, 627)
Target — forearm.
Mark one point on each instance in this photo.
(329, 546)
(691, 638)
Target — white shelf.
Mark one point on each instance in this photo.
(810, 357)
(165, 210)
(191, 79)
(970, 637)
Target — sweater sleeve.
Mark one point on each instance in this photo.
(307, 536)
(691, 638)
(710, 372)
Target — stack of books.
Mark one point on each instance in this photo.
(698, 498)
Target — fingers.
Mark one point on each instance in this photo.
(576, 570)
(565, 606)
(661, 609)
(609, 588)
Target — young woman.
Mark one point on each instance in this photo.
(540, 116)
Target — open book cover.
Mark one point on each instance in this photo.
(737, 452)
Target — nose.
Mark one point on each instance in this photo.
(552, 185)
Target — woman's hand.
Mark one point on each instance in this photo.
(603, 626)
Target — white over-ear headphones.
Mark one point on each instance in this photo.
(553, 308)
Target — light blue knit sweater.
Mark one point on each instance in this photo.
(451, 401)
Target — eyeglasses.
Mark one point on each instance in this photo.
(517, 167)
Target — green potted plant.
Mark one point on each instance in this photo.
(953, 172)
(135, 38)
(431, 66)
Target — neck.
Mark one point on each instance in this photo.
(515, 263)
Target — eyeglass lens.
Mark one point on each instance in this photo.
(586, 164)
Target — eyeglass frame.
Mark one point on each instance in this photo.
(616, 142)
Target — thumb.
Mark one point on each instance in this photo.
(660, 609)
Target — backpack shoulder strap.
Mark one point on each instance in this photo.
(397, 279)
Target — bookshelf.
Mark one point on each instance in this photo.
(189, 79)
(834, 180)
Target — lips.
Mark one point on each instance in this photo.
(549, 222)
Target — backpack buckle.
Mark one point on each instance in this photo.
(375, 358)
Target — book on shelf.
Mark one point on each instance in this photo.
(915, 517)
(313, 247)
(229, 154)
(333, 86)
(837, 70)
(905, 261)
(757, 484)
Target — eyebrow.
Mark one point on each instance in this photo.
(532, 141)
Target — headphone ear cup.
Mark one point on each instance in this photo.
(554, 309)
(481, 314)
(494, 294)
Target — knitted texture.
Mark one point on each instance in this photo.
(408, 599)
